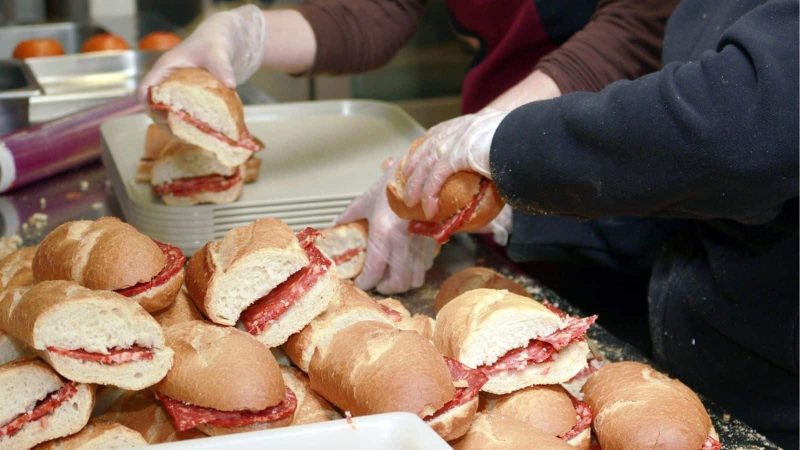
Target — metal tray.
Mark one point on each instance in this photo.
(319, 157)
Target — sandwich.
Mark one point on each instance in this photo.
(352, 305)
(111, 255)
(395, 370)
(88, 336)
(474, 278)
(98, 435)
(467, 202)
(549, 409)
(515, 341)
(496, 432)
(140, 411)
(403, 319)
(311, 408)
(11, 349)
(637, 407)
(204, 112)
(265, 276)
(182, 310)
(15, 272)
(223, 381)
(346, 246)
(38, 405)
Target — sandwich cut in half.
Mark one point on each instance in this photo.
(98, 435)
(108, 254)
(38, 405)
(467, 202)
(311, 408)
(88, 336)
(223, 381)
(265, 276)
(346, 246)
(515, 341)
(474, 278)
(204, 112)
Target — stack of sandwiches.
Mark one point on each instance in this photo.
(204, 153)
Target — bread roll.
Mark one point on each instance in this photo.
(98, 435)
(140, 411)
(420, 323)
(474, 278)
(15, 269)
(346, 245)
(497, 432)
(182, 310)
(311, 408)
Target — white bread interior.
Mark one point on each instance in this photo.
(455, 423)
(227, 154)
(338, 240)
(10, 349)
(22, 385)
(200, 102)
(229, 195)
(187, 161)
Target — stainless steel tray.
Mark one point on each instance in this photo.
(319, 157)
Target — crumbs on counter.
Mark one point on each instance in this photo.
(97, 206)
(84, 185)
(9, 244)
(42, 203)
(37, 220)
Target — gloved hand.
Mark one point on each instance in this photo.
(500, 226)
(396, 261)
(228, 44)
(458, 144)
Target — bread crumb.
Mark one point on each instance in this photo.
(9, 244)
(693, 341)
(98, 205)
(349, 418)
(84, 185)
(42, 203)
(726, 417)
(38, 220)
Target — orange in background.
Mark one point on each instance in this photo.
(38, 47)
(159, 40)
(105, 41)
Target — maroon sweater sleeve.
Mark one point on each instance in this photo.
(622, 41)
(358, 35)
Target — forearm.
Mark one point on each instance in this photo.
(534, 87)
(291, 46)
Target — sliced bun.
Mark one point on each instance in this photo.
(454, 423)
(102, 254)
(227, 154)
(474, 278)
(252, 169)
(162, 296)
(25, 382)
(496, 432)
(311, 408)
(158, 138)
(15, 269)
(637, 407)
(182, 310)
(549, 409)
(206, 355)
(66, 316)
(353, 305)
(184, 160)
(140, 411)
(98, 435)
(387, 370)
(340, 239)
(227, 276)
(11, 349)
(420, 323)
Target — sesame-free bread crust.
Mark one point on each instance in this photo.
(474, 278)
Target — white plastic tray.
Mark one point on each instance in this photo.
(319, 156)
(393, 431)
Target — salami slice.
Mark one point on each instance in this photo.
(184, 187)
(42, 408)
(584, 413)
(342, 258)
(711, 444)
(115, 355)
(175, 262)
(441, 232)
(186, 416)
(461, 374)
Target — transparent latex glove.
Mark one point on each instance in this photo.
(396, 261)
(500, 226)
(458, 144)
(229, 44)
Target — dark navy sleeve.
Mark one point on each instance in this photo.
(712, 138)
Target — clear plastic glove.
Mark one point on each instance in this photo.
(396, 261)
(458, 144)
(228, 44)
(500, 226)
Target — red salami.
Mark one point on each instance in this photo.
(460, 374)
(584, 414)
(115, 355)
(42, 408)
(576, 328)
(394, 315)
(711, 444)
(175, 262)
(555, 309)
(441, 232)
(184, 187)
(186, 417)
(247, 141)
(348, 255)
(258, 316)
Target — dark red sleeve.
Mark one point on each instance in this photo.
(358, 35)
(621, 41)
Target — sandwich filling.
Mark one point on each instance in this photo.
(42, 408)
(175, 262)
(348, 255)
(468, 383)
(442, 231)
(266, 310)
(245, 141)
(711, 444)
(584, 414)
(541, 349)
(115, 356)
(393, 315)
(186, 416)
(185, 187)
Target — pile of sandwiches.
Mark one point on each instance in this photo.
(202, 151)
(112, 340)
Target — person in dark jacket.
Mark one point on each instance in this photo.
(709, 145)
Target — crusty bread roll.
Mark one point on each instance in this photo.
(222, 369)
(227, 276)
(458, 191)
(31, 386)
(98, 435)
(637, 407)
(11, 349)
(388, 370)
(182, 310)
(482, 326)
(420, 323)
(204, 112)
(346, 245)
(15, 269)
(474, 278)
(140, 411)
(88, 336)
(311, 408)
(496, 432)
